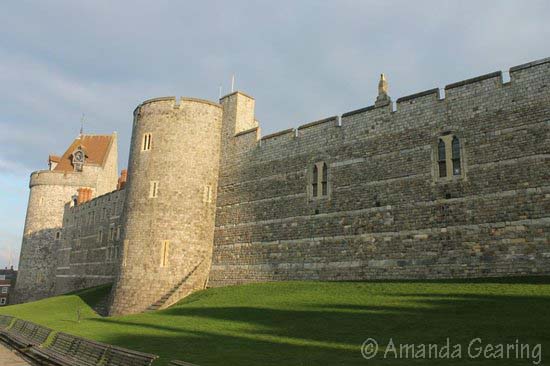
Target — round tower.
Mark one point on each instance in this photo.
(168, 218)
(42, 230)
(49, 192)
(89, 162)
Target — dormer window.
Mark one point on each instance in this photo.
(79, 158)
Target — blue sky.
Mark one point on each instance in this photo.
(301, 60)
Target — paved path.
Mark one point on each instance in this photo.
(10, 358)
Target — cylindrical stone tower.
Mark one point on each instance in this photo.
(49, 192)
(169, 215)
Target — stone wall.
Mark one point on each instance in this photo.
(387, 213)
(90, 243)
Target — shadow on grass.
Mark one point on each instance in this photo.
(517, 280)
(331, 334)
(93, 296)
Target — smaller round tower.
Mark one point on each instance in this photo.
(168, 218)
(50, 190)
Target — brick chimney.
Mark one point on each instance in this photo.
(84, 195)
(122, 179)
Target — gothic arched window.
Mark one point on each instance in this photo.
(319, 180)
(449, 157)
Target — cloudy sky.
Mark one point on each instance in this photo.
(301, 60)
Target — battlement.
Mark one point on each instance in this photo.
(407, 98)
(53, 178)
(476, 91)
(530, 64)
(171, 102)
(284, 135)
(235, 93)
(249, 131)
(97, 201)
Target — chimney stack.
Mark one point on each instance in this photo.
(84, 195)
(122, 179)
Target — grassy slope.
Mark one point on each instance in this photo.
(314, 323)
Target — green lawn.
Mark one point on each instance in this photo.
(316, 323)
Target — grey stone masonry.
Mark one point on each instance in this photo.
(387, 213)
(168, 219)
(90, 243)
(435, 186)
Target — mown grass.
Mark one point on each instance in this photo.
(316, 323)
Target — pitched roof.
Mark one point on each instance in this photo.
(54, 158)
(96, 148)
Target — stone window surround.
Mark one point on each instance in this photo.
(447, 138)
(319, 163)
(207, 196)
(146, 141)
(111, 253)
(153, 188)
(112, 232)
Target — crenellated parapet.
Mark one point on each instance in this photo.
(71, 179)
(167, 104)
(487, 93)
(446, 183)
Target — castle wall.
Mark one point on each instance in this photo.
(387, 214)
(211, 200)
(90, 243)
(168, 219)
